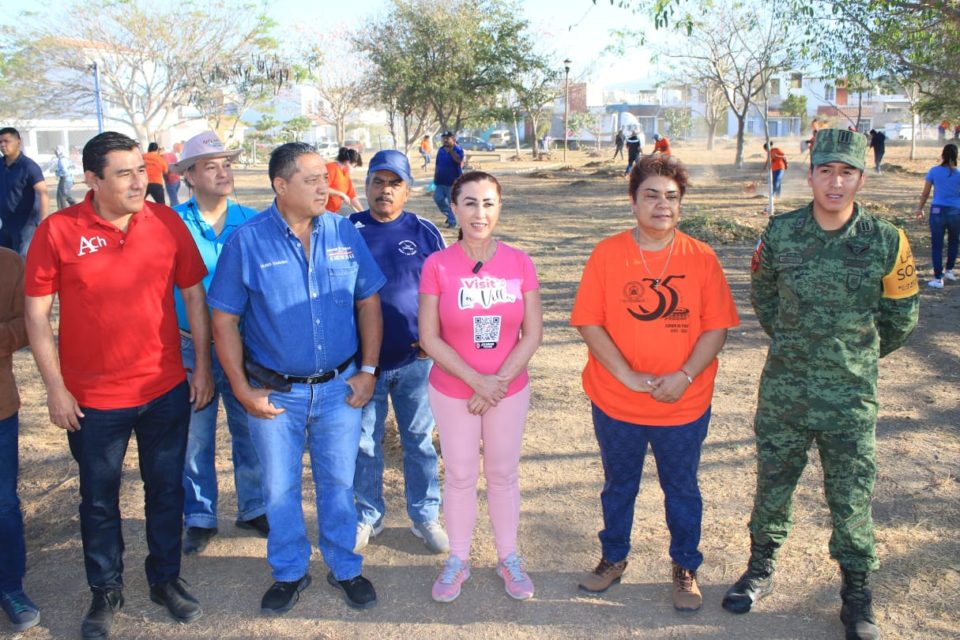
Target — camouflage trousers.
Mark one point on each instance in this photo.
(849, 462)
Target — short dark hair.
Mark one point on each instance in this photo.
(473, 176)
(96, 150)
(283, 160)
(10, 130)
(658, 165)
(352, 156)
(153, 146)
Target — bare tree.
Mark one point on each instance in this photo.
(343, 91)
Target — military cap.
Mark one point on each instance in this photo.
(839, 145)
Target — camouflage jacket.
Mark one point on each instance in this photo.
(832, 303)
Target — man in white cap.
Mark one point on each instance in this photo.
(400, 242)
(211, 217)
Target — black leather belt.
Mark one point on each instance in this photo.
(326, 376)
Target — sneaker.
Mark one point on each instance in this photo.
(686, 592)
(951, 276)
(365, 532)
(432, 535)
(515, 579)
(182, 606)
(258, 524)
(603, 577)
(936, 283)
(281, 596)
(196, 539)
(358, 592)
(20, 609)
(98, 621)
(447, 586)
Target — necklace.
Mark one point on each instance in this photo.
(643, 258)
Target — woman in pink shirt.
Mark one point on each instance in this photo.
(481, 321)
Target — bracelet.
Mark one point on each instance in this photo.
(684, 372)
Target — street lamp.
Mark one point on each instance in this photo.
(566, 103)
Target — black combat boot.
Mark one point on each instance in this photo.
(755, 583)
(857, 610)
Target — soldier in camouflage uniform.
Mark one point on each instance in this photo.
(835, 288)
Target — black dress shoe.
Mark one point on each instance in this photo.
(99, 619)
(358, 592)
(281, 596)
(196, 539)
(258, 524)
(182, 606)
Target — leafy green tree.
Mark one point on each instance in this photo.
(679, 121)
(795, 106)
(294, 128)
(535, 90)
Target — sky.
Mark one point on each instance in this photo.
(574, 29)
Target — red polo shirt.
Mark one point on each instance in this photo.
(119, 340)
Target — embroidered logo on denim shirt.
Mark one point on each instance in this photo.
(339, 253)
(274, 263)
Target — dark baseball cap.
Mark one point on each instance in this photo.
(839, 145)
(393, 161)
(447, 134)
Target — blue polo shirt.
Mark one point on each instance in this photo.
(447, 171)
(400, 247)
(19, 203)
(298, 314)
(208, 242)
(946, 186)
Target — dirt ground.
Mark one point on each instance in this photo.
(558, 214)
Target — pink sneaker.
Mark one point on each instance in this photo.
(515, 580)
(447, 586)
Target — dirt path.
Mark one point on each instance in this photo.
(558, 218)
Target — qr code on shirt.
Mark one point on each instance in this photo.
(486, 331)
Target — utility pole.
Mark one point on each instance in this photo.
(98, 97)
(566, 104)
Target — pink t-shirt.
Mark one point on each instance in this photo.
(480, 313)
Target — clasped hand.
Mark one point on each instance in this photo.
(488, 391)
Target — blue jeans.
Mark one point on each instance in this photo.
(407, 388)
(944, 219)
(676, 451)
(316, 417)
(99, 447)
(777, 182)
(200, 469)
(13, 556)
(441, 196)
(64, 199)
(173, 192)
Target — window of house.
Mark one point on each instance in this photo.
(774, 88)
(829, 93)
(796, 80)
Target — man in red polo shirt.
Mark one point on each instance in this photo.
(113, 260)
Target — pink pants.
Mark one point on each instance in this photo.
(501, 430)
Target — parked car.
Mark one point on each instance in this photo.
(500, 138)
(470, 143)
(327, 149)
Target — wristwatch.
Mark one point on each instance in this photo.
(374, 371)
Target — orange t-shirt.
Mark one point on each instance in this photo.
(778, 159)
(156, 167)
(654, 328)
(663, 146)
(425, 146)
(337, 179)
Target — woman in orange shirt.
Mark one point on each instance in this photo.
(425, 152)
(338, 180)
(653, 307)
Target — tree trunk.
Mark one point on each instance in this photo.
(711, 134)
(741, 123)
(516, 134)
(913, 138)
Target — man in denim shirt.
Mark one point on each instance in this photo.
(305, 287)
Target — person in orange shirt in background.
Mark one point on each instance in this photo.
(425, 152)
(172, 179)
(777, 162)
(942, 129)
(661, 144)
(653, 307)
(338, 180)
(156, 169)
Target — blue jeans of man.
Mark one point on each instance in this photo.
(441, 196)
(200, 469)
(676, 450)
(64, 199)
(777, 182)
(406, 387)
(13, 556)
(944, 220)
(173, 192)
(99, 447)
(316, 417)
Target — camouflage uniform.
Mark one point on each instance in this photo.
(833, 302)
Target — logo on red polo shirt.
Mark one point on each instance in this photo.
(91, 245)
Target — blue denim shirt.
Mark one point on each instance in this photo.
(208, 242)
(298, 315)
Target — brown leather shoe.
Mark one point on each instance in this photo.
(686, 592)
(603, 577)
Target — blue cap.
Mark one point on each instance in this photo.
(391, 160)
